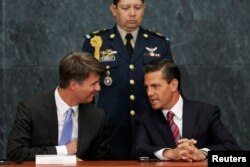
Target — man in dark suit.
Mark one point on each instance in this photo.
(122, 51)
(195, 128)
(40, 120)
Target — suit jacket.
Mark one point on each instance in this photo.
(126, 95)
(35, 130)
(201, 121)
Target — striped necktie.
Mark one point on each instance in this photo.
(174, 127)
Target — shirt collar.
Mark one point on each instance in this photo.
(177, 109)
(61, 105)
(123, 33)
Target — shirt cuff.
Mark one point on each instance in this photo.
(159, 154)
(61, 150)
(205, 151)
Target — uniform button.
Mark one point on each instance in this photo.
(132, 112)
(107, 72)
(107, 67)
(132, 82)
(132, 97)
(131, 67)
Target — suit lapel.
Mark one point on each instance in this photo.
(81, 114)
(164, 129)
(83, 111)
(51, 111)
(189, 118)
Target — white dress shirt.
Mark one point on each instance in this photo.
(62, 108)
(177, 109)
(178, 119)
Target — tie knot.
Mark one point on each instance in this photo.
(70, 111)
(129, 36)
(170, 115)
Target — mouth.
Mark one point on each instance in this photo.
(132, 21)
(153, 101)
(93, 95)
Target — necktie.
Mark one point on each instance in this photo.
(173, 126)
(128, 44)
(67, 128)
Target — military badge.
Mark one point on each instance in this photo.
(108, 81)
(107, 55)
(151, 52)
(96, 42)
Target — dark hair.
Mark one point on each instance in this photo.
(77, 66)
(169, 70)
(115, 2)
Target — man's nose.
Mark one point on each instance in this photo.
(98, 87)
(149, 92)
(132, 11)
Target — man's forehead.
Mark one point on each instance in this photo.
(123, 2)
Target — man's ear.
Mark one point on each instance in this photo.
(72, 85)
(174, 84)
(112, 8)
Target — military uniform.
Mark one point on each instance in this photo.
(122, 88)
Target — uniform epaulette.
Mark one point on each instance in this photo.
(158, 34)
(88, 36)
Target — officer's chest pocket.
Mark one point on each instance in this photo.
(110, 76)
(148, 59)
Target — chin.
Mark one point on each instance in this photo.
(88, 100)
(156, 107)
(132, 26)
(91, 100)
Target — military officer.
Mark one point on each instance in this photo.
(123, 94)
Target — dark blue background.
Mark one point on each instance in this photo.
(209, 41)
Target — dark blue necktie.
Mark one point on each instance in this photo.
(129, 46)
(67, 128)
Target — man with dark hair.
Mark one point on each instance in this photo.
(177, 128)
(63, 120)
(122, 51)
(115, 2)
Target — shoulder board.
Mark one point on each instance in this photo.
(88, 36)
(158, 34)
